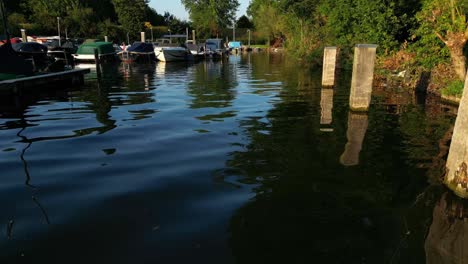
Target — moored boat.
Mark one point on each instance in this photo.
(138, 52)
(235, 47)
(214, 48)
(13, 65)
(86, 51)
(34, 52)
(168, 54)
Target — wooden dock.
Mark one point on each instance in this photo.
(74, 77)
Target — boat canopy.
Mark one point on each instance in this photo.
(30, 47)
(235, 45)
(214, 44)
(102, 47)
(141, 47)
(175, 36)
(13, 65)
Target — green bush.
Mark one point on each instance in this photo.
(454, 88)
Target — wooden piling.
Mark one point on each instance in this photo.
(106, 39)
(456, 177)
(24, 36)
(329, 66)
(363, 77)
(357, 128)
(143, 37)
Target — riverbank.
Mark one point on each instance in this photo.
(402, 69)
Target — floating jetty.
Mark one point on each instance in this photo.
(75, 77)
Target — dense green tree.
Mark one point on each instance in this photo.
(211, 15)
(153, 17)
(447, 21)
(244, 22)
(82, 18)
(360, 21)
(174, 24)
(131, 15)
(104, 9)
(75, 17)
(263, 13)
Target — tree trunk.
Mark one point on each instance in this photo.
(458, 62)
(456, 42)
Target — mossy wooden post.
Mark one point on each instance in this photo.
(326, 113)
(357, 128)
(24, 36)
(329, 66)
(143, 37)
(456, 177)
(363, 76)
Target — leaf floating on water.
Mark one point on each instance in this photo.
(9, 149)
(109, 151)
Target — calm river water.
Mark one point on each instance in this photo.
(246, 161)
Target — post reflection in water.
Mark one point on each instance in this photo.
(326, 105)
(447, 241)
(357, 128)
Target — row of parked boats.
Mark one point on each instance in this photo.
(55, 55)
(162, 50)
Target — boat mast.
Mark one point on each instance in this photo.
(4, 18)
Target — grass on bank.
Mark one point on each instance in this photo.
(259, 46)
(454, 88)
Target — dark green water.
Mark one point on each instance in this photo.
(246, 161)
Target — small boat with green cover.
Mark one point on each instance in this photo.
(105, 51)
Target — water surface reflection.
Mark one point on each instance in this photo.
(215, 162)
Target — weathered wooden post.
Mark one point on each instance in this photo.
(329, 66)
(363, 77)
(24, 36)
(194, 37)
(357, 128)
(326, 113)
(106, 39)
(456, 177)
(143, 37)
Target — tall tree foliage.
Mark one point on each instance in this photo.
(446, 21)
(244, 22)
(81, 18)
(308, 25)
(211, 15)
(131, 15)
(75, 17)
(263, 13)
